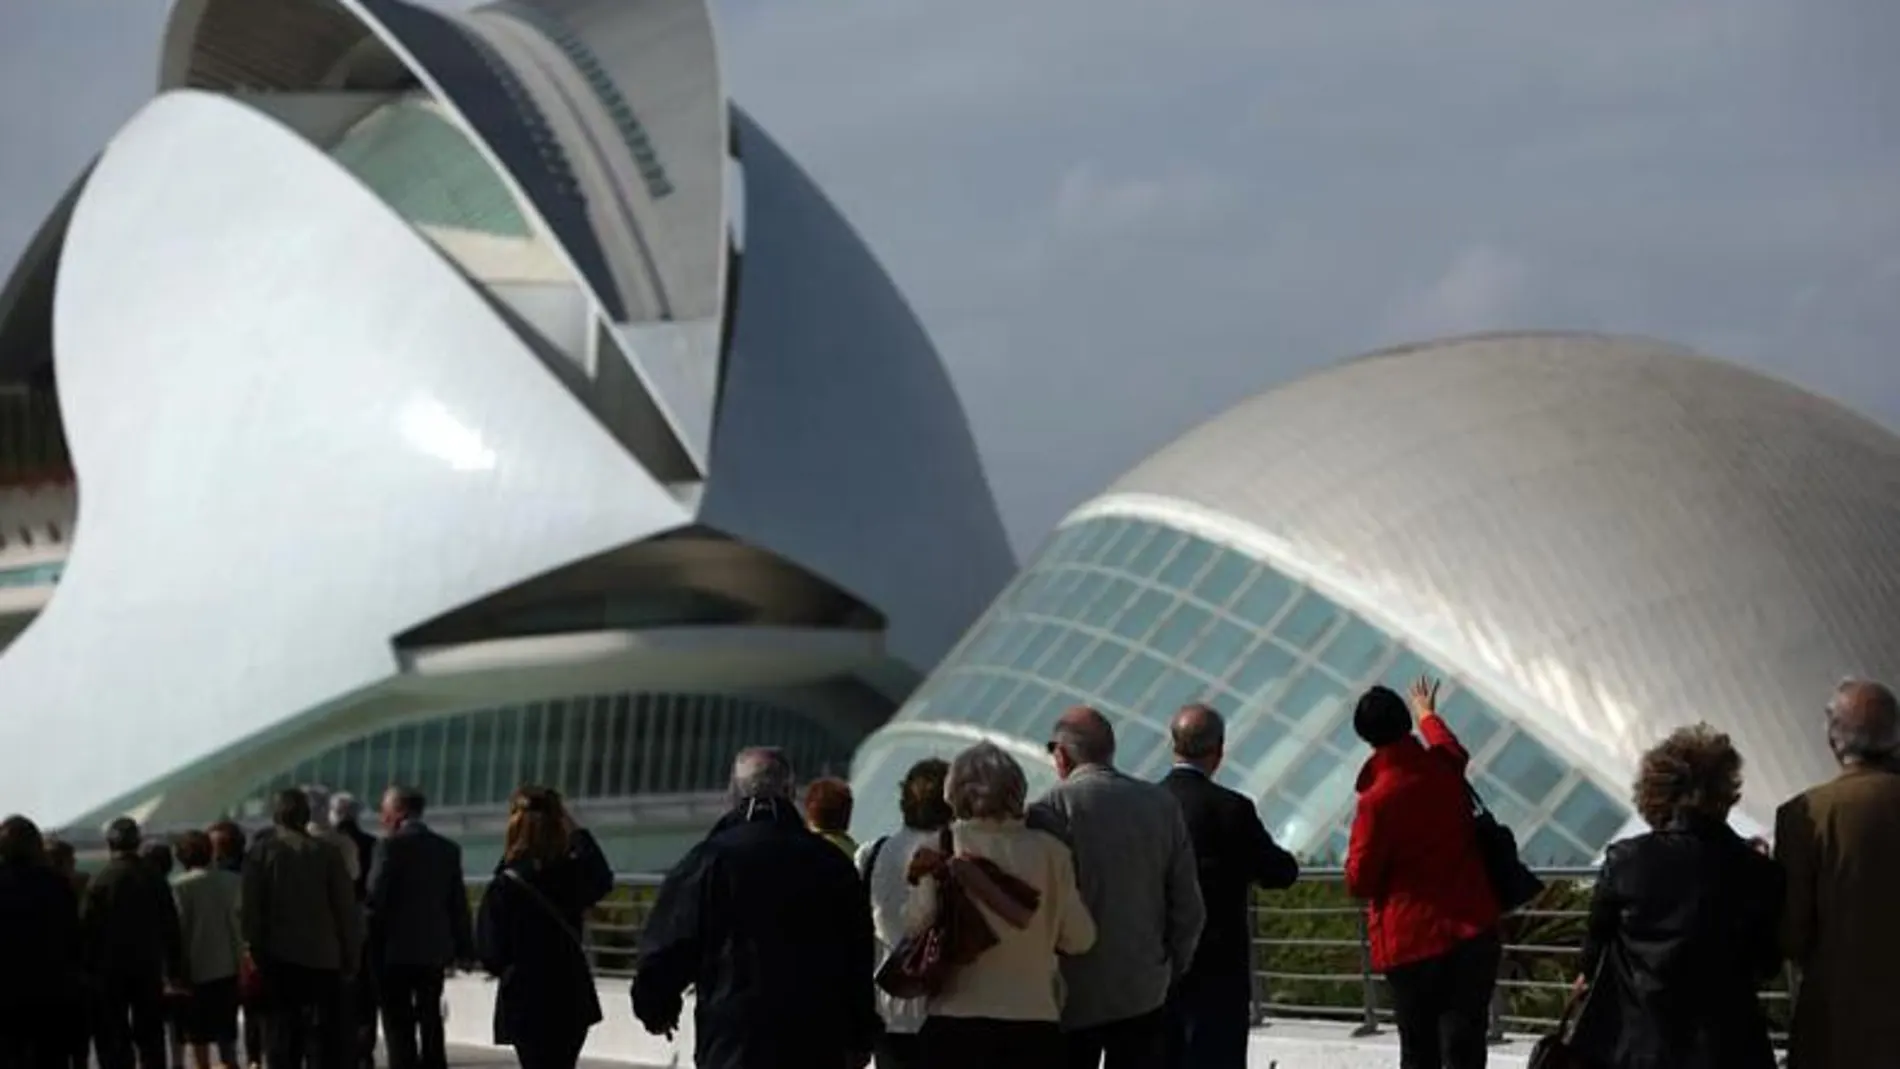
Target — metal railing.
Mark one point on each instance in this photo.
(1312, 956)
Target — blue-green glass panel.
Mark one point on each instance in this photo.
(1265, 667)
(1177, 688)
(1155, 553)
(1080, 595)
(1249, 737)
(1527, 768)
(1061, 589)
(1404, 669)
(1354, 650)
(1308, 772)
(1219, 646)
(1137, 675)
(1334, 852)
(1098, 536)
(1590, 814)
(1094, 668)
(990, 693)
(1030, 591)
(1263, 599)
(1068, 650)
(1179, 630)
(1115, 595)
(1186, 564)
(1032, 696)
(1307, 621)
(1036, 644)
(1065, 544)
(1470, 719)
(1312, 702)
(1344, 739)
(1140, 616)
(1129, 542)
(1228, 575)
(1277, 812)
(1548, 846)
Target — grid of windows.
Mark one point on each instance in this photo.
(587, 747)
(1137, 618)
(32, 575)
(424, 166)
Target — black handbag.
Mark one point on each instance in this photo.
(1554, 1051)
(1511, 880)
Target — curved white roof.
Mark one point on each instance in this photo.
(1615, 536)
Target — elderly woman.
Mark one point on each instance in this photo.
(1683, 924)
(1000, 1010)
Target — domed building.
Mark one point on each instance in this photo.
(1592, 539)
(461, 398)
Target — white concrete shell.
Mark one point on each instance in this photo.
(303, 432)
(1612, 537)
(298, 433)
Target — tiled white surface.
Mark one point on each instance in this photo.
(299, 433)
(1619, 536)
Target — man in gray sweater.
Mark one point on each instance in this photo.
(1135, 864)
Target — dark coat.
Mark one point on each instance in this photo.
(365, 845)
(39, 925)
(547, 991)
(1682, 934)
(129, 931)
(1414, 855)
(1233, 854)
(418, 901)
(1840, 846)
(772, 928)
(298, 908)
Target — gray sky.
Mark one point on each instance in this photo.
(1119, 217)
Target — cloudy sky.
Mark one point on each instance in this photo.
(1120, 216)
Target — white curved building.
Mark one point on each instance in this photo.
(461, 398)
(1593, 539)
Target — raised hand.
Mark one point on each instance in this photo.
(1425, 695)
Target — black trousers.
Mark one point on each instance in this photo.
(412, 1017)
(303, 1017)
(32, 1038)
(363, 1010)
(1443, 1006)
(1209, 1020)
(899, 1050)
(128, 1026)
(1130, 1043)
(986, 1043)
(549, 1052)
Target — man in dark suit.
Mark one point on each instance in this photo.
(301, 922)
(419, 922)
(1210, 1007)
(131, 943)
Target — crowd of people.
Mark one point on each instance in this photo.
(1103, 924)
(310, 935)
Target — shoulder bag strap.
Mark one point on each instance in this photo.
(547, 906)
(1477, 800)
(870, 859)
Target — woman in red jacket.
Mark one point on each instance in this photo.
(1431, 915)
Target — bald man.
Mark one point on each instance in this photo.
(1135, 865)
(1839, 844)
(1211, 1008)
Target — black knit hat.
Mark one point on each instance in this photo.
(1381, 717)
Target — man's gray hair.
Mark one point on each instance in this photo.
(1863, 722)
(319, 797)
(1087, 740)
(986, 783)
(760, 773)
(344, 808)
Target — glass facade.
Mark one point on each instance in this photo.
(1137, 618)
(588, 747)
(422, 165)
(32, 574)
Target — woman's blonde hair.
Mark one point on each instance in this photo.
(537, 826)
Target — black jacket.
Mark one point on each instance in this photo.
(39, 926)
(547, 988)
(1683, 932)
(1234, 854)
(129, 930)
(418, 901)
(771, 927)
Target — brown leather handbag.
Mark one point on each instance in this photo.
(920, 965)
